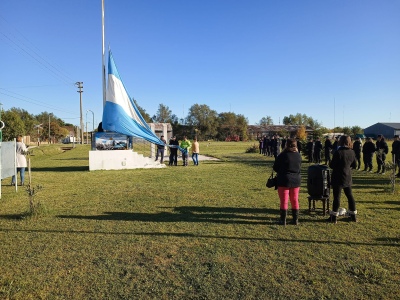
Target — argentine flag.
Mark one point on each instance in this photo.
(120, 113)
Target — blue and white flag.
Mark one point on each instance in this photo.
(120, 113)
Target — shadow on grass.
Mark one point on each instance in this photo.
(62, 169)
(12, 217)
(187, 214)
(380, 242)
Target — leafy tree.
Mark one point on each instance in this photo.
(231, 124)
(266, 121)
(301, 119)
(347, 130)
(301, 133)
(13, 125)
(143, 112)
(356, 130)
(164, 115)
(204, 119)
(27, 118)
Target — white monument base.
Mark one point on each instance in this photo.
(120, 160)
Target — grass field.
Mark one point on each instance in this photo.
(206, 232)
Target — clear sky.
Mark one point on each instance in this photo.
(336, 61)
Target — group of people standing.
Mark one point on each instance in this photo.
(346, 155)
(271, 146)
(184, 146)
(288, 168)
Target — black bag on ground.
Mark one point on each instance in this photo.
(272, 181)
(318, 181)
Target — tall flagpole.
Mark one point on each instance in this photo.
(103, 54)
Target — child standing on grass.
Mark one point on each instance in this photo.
(288, 165)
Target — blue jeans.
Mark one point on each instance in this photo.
(21, 173)
(195, 157)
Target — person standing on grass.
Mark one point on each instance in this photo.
(368, 150)
(317, 151)
(195, 152)
(161, 149)
(173, 151)
(357, 146)
(396, 153)
(343, 161)
(310, 150)
(287, 165)
(184, 147)
(381, 150)
(20, 160)
(328, 149)
(276, 146)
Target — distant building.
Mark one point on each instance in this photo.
(388, 130)
(258, 131)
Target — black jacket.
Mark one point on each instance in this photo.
(327, 145)
(368, 148)
(342, 161)
(396, 148)
(318, 146)
(288, 165)
(357, 147)
(382, 146)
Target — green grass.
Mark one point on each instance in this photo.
(206, 232)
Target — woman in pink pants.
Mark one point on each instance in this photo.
(287, 165)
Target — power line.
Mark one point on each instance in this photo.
(27, 50)
(36, 102)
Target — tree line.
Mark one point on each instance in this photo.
(201, 121)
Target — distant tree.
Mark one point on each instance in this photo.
(231, 125)
(356, 130)
(143, 112)
(347, 130)
(164, 115)
(301, 119)
(203, 119)
(320, 131)
(27, 118)
(13, 125)
(266, 121)
(301, 133)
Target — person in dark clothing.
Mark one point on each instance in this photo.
(276, 146)
(328, 149)
(100, 127)
(299, 145)
(317, 151)
(335, 145)
(173, 151)
(161, 149)
(260, 145)
(357, 146)
(396, 154)
(310, 150)
(283, 142)
(265, 145)
(287, 166)
(368, 150)
(381, 150)
(269, 146)
(343, 161)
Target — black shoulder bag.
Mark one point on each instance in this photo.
(272, 181)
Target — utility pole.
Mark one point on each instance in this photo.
(79, 84)
(49, 129)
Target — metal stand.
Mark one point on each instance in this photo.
(325, 203)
